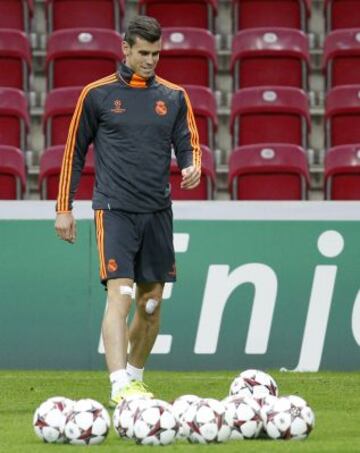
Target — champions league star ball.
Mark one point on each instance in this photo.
(289, 417)
(124, 413)
(155, 424)
(87, 424)
(254, 383)
(206, 422)
(180, 406)
(244, 413)
(50, 417)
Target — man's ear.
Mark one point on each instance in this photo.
(125, 48)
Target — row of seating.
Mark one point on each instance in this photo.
(172, 13)
(269, 171)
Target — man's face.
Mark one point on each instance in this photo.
(142, 57)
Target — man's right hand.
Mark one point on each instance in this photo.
(65, 226)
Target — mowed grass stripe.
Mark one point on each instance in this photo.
(335, 398)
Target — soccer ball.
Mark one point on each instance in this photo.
(254, 383)
(180, 406)
(50, 417)
(155, 423)
(289, 417)
(244, 413)
(206, 421)
(123, 417)
(88, 423)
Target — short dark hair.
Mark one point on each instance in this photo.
(145, 27)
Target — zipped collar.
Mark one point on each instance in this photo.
(133, 80)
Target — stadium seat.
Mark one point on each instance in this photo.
(341, 14)
(270, 171)
(188, 56)
(205, 190)
(14, 118)
(264, 56)
(342, 116)
(12, 173)
(204, 108)
(50, 168)
(270, 13)
(342, 173)
(342, 57)
(84, 13)
(15, 59)
(16, 14)
(59, 108)
(182, 13)
(76, 57)
(270, 114)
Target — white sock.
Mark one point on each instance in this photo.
(119, 379)
(135, 374)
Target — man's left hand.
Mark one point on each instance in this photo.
(190, 177)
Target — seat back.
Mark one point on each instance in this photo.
(50, 168)
(16, 14)
(342, 172)
(265, 13)
(342, 116)
(64, 14)
(15, 59)
(205, 190)
(268, 172)
(14, 118)
(342, 57)
(204, 108)
(182, 13)
(12, 173)
(270, 114)
(59, 108)
(188, 57)
(76, 57)
(341, 14)
(270, 56)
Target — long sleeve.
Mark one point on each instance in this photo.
(185, 135)
(82, 131)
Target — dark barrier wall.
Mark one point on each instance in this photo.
(251, 292)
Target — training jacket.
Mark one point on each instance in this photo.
(132, 123)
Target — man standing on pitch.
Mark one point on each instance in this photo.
(133, 117)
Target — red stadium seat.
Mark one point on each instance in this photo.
(342, 116)
(270, 171)
(15, 59)
(205, 190)
(50, 168)
(14, 118)
(77, 57)
(16, 14)
(342, 57)
(270, 13)
(188, 56)
(342, 14)
(84, 13)
(270, 114)
(182, 13)
(59, 108)
(12, 173)
(342, 173)
(204, 108)
(264, 56)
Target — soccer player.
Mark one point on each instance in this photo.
(133, 118)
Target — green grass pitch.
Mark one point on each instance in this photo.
(334, 397)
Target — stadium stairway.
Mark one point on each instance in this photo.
(223, 96)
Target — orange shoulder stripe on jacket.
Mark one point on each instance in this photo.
(65, 177)
(194, 135)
